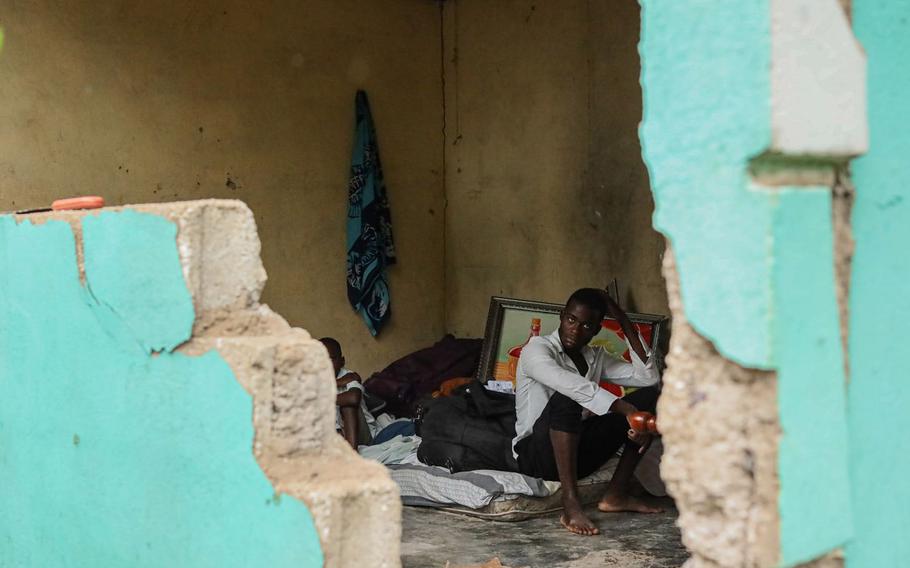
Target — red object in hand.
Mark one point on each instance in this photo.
(652, 424)
(642, 421)
(87, 202)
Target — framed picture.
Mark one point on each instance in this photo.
(511, 322)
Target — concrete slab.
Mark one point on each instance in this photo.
(430, 538)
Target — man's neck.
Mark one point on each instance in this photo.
(580, 363)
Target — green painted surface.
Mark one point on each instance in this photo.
(879, 392)
(814, 499)
(755, 264)
(110, 456)
(117, 261)
(706, 113)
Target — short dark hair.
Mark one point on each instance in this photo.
(331, 343)
(591, 298)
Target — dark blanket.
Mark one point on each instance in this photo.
(417, 375)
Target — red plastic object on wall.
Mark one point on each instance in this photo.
(68, 204)
(85, 202)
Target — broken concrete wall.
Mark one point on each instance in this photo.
(168, 101)
(122, 406)
(721, 430)
(743, 110)
(545, 184)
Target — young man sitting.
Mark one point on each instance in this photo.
(353, 419)
(567, 426)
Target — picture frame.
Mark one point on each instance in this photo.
(509, 322)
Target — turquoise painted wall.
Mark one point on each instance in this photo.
(814, 501)
(879, 392)
(115, 451)
(755, 264)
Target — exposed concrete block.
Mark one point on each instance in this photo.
(354, 502)
(160, 470)
(818, 81)
(720, 426)
(292, 387)
(218, 247)
(219, 250)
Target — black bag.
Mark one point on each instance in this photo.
(471, 429)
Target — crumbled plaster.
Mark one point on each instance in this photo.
(774, 170)
(834, 559)
(720, 428)
(153, 447)
(354, 502)
(843, 194)
(218, 246)
(755, 261)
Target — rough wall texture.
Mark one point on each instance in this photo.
(178, 420)
(545, 184)
(721, 431)
(756, 262)
(163, 101)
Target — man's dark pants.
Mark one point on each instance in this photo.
(599, 436)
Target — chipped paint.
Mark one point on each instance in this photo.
(755, 263)
(112, 456)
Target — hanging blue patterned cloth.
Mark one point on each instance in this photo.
(370, 245)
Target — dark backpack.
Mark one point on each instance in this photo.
(472, 429)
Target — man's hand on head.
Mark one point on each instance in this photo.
(612, 306)
(617, 313)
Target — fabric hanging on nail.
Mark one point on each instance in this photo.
(371, 248)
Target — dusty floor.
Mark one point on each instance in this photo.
(431, 538)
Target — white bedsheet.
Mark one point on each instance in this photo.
(426, 485)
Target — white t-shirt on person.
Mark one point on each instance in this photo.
(370, 420)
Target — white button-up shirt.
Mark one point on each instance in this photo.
(545, 368)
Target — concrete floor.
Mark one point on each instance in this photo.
(431, 538)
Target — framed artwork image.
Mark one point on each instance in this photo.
(511, 322)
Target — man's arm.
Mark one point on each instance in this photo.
(349, 398)
(617, 313)
(538, 362)
(348, 403)
(642, 371)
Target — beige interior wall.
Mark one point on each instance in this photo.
(545, 183)
(173, 100)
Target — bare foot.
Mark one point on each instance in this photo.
(577, 522)
(618, 504)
